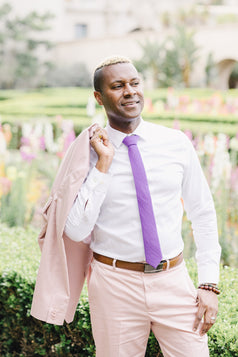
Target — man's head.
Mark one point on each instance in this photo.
(118, 88)
(98, 72)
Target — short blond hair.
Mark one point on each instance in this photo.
(109, 61)
(112, 60)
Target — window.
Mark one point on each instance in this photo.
(81, 30)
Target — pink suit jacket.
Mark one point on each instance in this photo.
(64, 263)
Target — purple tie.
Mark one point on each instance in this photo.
(151, 240)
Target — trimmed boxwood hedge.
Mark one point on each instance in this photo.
(22, 335)
(17, 107)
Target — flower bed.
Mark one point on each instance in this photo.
(26, 175)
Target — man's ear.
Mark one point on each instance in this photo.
(98, 97)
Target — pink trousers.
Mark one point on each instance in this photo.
(125, 305)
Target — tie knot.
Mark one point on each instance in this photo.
(130, 140)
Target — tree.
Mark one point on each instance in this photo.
(171, 62)
(210, 69)
(21, 41)
(186, 51)
(233, 80)
(171, 73)
(151, 61)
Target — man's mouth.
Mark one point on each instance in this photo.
(130, 104)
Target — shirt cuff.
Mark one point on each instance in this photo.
(98, 181)
(208, 274)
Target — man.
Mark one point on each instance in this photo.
(126, 302)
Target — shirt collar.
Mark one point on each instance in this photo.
(116, 136)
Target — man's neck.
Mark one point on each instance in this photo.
(126, 127)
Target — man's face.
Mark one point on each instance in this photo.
(121, 95)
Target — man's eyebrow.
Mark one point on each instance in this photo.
(117, 81)
(122, 80)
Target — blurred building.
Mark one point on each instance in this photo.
(77, 19)
(88, 30)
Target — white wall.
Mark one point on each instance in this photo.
(23, 7)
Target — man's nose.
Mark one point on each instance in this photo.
(129, 90)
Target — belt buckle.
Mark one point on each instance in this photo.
(148, 269)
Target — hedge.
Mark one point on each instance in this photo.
(19, 106)
(22, 335)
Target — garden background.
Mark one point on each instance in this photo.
(37, 127)
(38, 124)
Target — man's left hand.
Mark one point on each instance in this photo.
(207, 308)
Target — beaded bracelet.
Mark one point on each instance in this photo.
(209, 287)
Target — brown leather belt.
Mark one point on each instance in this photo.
(142, 267)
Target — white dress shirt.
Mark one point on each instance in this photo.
(106, 205)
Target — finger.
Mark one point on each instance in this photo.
(210, 314)
(209, 320)
(212, 319)
(205, 328)
(99, 134)
(96, 136)
(198, 318)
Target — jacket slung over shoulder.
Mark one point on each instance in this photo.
(64, 263)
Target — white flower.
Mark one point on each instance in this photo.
(49, 138)
(209, 144)
(99, 119)
(91, 106)
(221, 163)
(234, 144)
(26, 130)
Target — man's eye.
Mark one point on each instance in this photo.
(134, 84)
(117, 86)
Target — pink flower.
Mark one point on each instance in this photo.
(234, 179)
(42, 143)
(189, 134)
(25, 141)
(176, 124)
(5, 185)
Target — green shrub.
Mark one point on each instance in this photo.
(222, 338)
(22, 335)
(19, 251)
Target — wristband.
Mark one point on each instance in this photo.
(209, 287)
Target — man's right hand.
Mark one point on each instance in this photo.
(103, 148)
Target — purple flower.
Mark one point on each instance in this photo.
(25, 141)
(27, 155)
